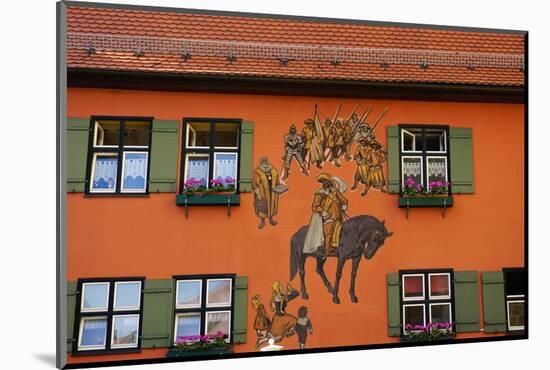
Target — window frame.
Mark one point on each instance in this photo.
(117, 151)
(510, 298)
(204, 308)
(210, 150)
(424, 154)
(428, 300)
(109, 314)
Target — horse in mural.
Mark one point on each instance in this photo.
(360, 236)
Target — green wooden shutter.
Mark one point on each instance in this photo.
(466, 301)
(158, 313)
(164, 156)
(394, 309)
(393, 159)
(245, 170)
(78, 132)
(462, 164)
(240, 309)
(494, 313)
(71, 308)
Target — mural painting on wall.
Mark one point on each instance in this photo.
(334, 139)
(333, 233)
(266, 188)
(281, 324)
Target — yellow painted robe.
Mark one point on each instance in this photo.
(266, 201)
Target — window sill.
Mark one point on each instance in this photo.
(425, 201)
(116, 195)
(210, 199)
(106, 352)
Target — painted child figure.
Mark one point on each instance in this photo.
(303, 326)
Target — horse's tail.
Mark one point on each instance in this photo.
(294, 256)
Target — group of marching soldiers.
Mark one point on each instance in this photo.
(318, 143)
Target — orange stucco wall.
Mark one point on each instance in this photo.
(110, 237)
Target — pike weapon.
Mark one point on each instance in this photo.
(380, 117)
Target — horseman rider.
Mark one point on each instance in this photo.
(330, 204)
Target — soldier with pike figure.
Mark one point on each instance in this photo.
(293, 149)
(312, 144)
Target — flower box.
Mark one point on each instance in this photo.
(406, 339)
(208, 199)
(172, 352)
(432, 200)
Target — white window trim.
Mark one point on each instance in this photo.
(421, 168)
(96, 127)
(428, 168)
(81, 328)
(431, 297)
(197, 305)
(96, 309)
(444, 135)
(218, 304)
(133, 345)
(122, 190)
(126, 308)
(229, 322)
(414, 305)
(416, 298)
(403, 131)
(236, 164)
(196, 313)
(92, 190)
(512, 328)
(187, 166)
(442, 304)
(188, 127)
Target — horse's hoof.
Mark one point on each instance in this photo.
(305, 295)
(354, 299)
(336, 300)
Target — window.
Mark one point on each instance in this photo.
(515, 291)
(119, 156)
(424, 154)
(204, 305)
(426, 297)
(109, 315)
(211, 151)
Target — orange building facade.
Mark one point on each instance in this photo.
(456, 257)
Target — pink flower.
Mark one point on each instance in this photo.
(229, 180)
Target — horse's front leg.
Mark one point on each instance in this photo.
(354, 267)
(302, 270)
(321, 271)
(340, 266)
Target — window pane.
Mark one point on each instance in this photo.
(437, 171)
(125, 331)
(95, 296)
(104, 172)
(198, 134)
(127, 295)
(412, 139)
(440, 313)
(413, 315)
(226, 135)
(107, 133)
(439, 285)
(197, 168)
(219, 292)
(435, 140)
(188, 324)
(94, 332)
(137, 133)
(516, 314)
(412, 167)
(189, 293)
(135, 172)
(217, 321)
(225, 168)
(413, 286)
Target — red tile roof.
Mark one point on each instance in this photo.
(170, 25)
